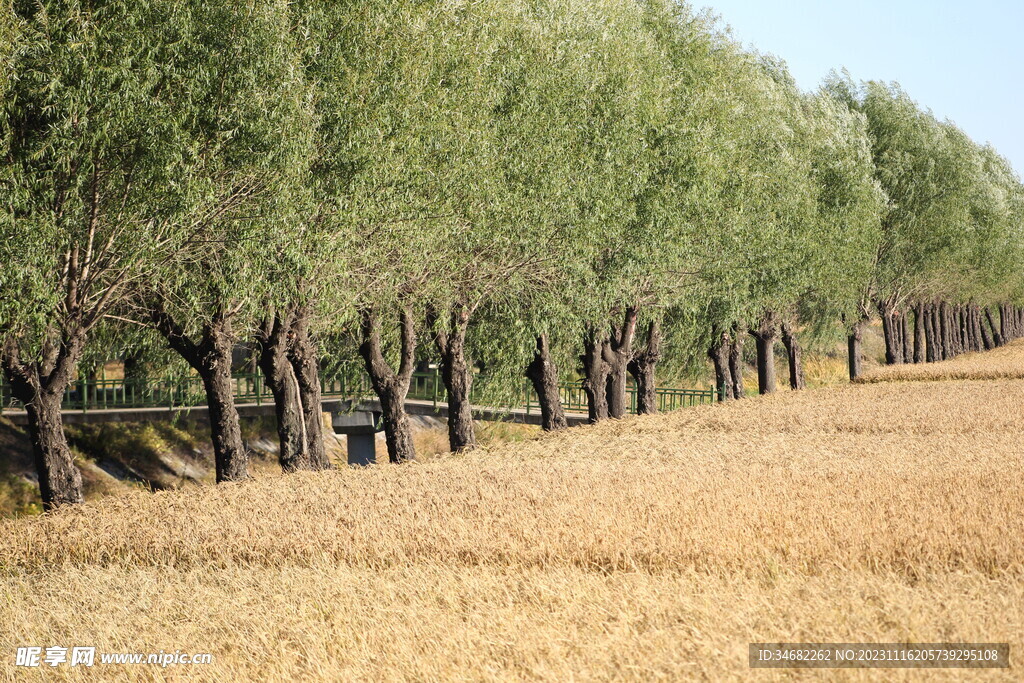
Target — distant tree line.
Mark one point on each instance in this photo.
(613, 187)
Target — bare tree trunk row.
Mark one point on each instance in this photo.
(943, 331)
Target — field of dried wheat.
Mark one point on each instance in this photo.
(653, 547)
(1000, 363)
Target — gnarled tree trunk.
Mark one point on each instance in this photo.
(305, 361)
(40, 386)
(60, 482)
(891, 333)
(981, 330)
(965, 338)
(797, 378)
(942, 331)
(618, 352)
(643, 368)
(458, 379)
(940, 339)
(391, 387)
(718, 352)
(736, 362)
(272, 358)
(855, 354)
(997, 338)
(764, 335)
(543, 373)
(595, 375)
(210, 356)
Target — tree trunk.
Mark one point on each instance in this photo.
(718, 352)
(953, 329)
(973, 332)
(965, 339)
(956, 331)
(618, 352)
(272, 358)
(736, 362)
(931, 343)
(907, 343)
(60, 482)
(797, 378)
(982, 342)
(982, 331)
(919, 334)
(40, 386)
(595, 376)
(958, 328)
(211, 358)
(543, 372)
(946, 327)
(853, 343)
(232, 460)
(305, 362)
(458, 379)
(891, 333)
(967, 325)
(997, 338)
(765, 335)
(940, 349)
(391, 387)
(643, 367)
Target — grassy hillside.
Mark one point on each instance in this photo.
(655, 546)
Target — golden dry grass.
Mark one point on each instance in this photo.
(1000, 363)
(654, 547)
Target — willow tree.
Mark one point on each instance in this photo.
(399, 138)
(526, 263)
(106, 160)
(846, 226)
(255, 130)
(997, 250)
(515, 119)
(758, 213)
(926, 172)
(622, 102)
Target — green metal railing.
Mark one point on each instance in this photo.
(349, 382)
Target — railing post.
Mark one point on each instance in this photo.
(435, 388)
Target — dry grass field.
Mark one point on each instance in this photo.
(651, 548)
(1001, 363)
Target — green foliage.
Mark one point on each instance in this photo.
(251, 127)
(949, 228)
(539, 164)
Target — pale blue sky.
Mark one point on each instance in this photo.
(964, 60)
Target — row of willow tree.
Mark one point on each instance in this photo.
(608, 187)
